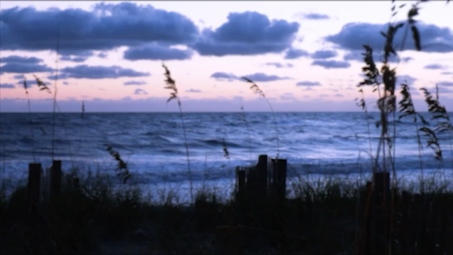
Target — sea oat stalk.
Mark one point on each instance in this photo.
(257, 90)
(171, 85)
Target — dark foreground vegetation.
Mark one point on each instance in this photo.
(321, 218)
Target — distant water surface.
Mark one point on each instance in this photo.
(153, 143)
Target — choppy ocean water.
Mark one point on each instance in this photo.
(152, 144)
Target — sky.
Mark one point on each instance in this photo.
(304, 55)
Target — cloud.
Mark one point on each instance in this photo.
(323, 54)
(156, 52)
(20, 60)
(127, 83)
(316, 16)
(247, 33)
(73, 59)
(445, 83)
(331, 64)
(278, 65)
(353, 35)
(338, 95)
(31, 82)
(140, 92)
(60, 76)
(102, 55)
(446, 73)
(295, 53)
(100, 72)
(287, 96)
(356, 55)
(65, 83)
(105, 27)
(308, 83)
(444, 90)
(24, 68)
(220, 76)
(407, 79)
(435, 67)
(7, 86)
(261, 77)
(193, 91)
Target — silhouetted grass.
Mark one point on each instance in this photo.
(255, 88)
(318, 218)
(171, 85)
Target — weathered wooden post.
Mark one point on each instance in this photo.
(55, 182)
(33, 191)
(281, 166)
(381, 212)
(240, 183)
(76, 182)
(252, 180)
(364, 241)
(262, 176)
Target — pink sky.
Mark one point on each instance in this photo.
(304, 55)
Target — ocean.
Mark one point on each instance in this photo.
(316, 144)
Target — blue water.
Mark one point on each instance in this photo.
(152, 144)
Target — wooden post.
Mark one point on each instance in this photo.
(281, 166)
(77, 182)
(240, 182)
(274, 186)
(381, 213)
(251, 183)
(262, 176)
(364, 241)
(55, 181)
(33, 190)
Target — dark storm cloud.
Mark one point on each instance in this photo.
(156, 52)
(100, 72)
(328, 64)
(106, 27)
(323, 54)
(295, 53)
(247, 33)
(353, 35)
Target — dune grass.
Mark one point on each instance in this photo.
(319, 217)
